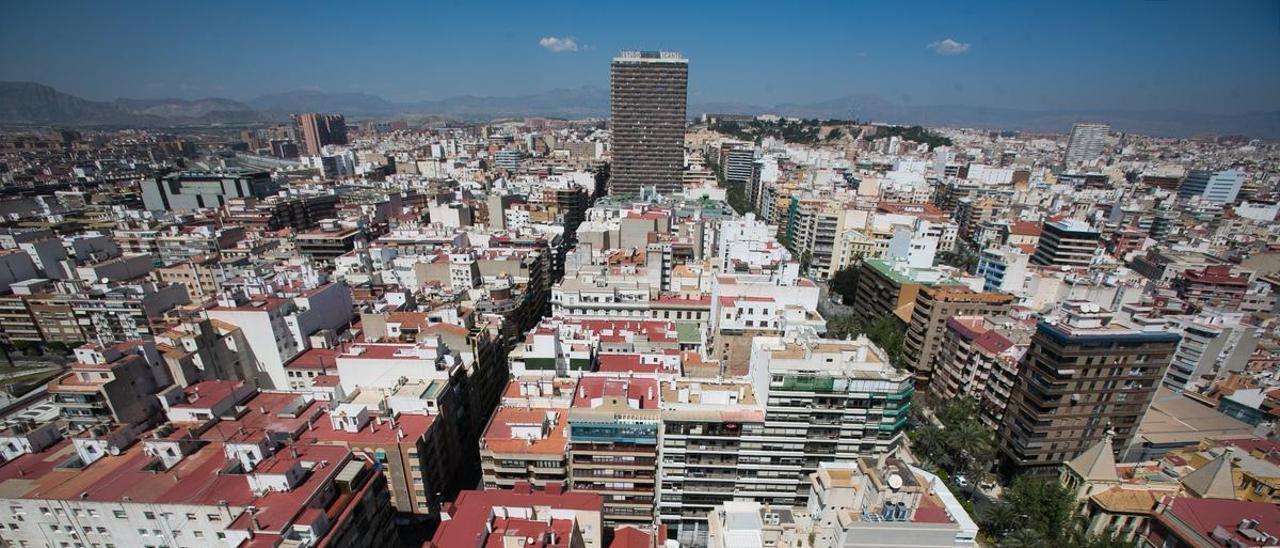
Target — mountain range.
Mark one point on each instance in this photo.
(27, 103)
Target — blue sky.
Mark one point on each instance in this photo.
(1127, 54)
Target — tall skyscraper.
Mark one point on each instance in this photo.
(317, 130)
(1086, 143)
(648, 96)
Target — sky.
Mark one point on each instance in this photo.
(1204, 56)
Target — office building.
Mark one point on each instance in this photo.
(318, 130)
(1084, 375)
(1086, 144)
(1219, 187)
(204, 189)
(1066, 243)
(648, 96)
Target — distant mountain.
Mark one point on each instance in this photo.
(181, 108)
(583, 102)
(28, 102)
(31, 103)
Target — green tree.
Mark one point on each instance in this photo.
(845, 282)
(1046, 509)
(958, 443)
(1025, 538)
(998, 519)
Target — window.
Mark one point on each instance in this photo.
(119, 514)
(149, 515)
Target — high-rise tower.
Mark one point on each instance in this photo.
(648, 95)
(318, 130)
(1086, 144)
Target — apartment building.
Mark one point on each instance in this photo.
(978, 359)
(522, 517)
(712, 432)
(889, 289)
(526, 445)
(114, 384)
(648, 96)
(1066, 243)
(934, 306)
(614, 426)
(1215, 286)
(308, 495)
(825, 400)
(1083, 375)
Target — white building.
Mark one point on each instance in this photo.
(278, 328)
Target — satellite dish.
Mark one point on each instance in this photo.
(895, 482)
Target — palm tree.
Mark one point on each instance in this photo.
(1025, 538)
(999, 519)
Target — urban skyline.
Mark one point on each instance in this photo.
(339, 321)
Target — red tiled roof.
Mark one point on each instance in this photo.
(1204, 516)
(470, 513)
(624, 363)
(642, 389)
(1026, 228)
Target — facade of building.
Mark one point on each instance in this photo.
(201, 190)
(648, 96)
(710, 432)
(1086, 143)
(978, 361)
(1219, 187)
(1066, 243)
(614, 426)
(318, 130)
(1083, 375)
(825, 400)
(934, 306)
